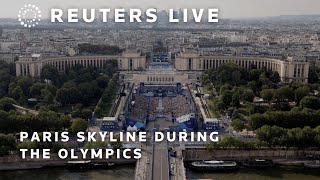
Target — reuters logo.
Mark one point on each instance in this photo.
(29, 16)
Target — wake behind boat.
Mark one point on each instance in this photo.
(214, 165)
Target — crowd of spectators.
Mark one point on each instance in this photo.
(139, 107)
(177, 106)
(142, 106)
(158, 89)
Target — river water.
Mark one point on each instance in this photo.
(123, 172)
(126, 172)
(274, 173)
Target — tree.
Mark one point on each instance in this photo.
(63, 96)
(275, 77)
(95, 145)
(226, 97)
(220, 105)
(230, 73)
(78, 125)
(50, 72)
(310, 102)
(35, 89)
(267, 94)
(301, 92)
(224, 88)
(65, 121)
(284, 93)
(254, 74)
(68, 94)
(28, 145)
(227, 141)
(7, 143)
(295, 137)
(235, 100)
(313, 76)
(273, 136)
(263, 79)
(49, 121)
(24, 83)
(6, 104)
(317, 137)
(18, 95)
(238, 125)
(308, 136)
(87, 113)
(253, 85)
(248, 95)
(236, 77)
(257, 120)
(103, 81)
(48, 99)
(264, 134)
(5, 77)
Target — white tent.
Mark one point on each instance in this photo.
(130, 128)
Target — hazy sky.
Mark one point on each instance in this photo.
(227, 8)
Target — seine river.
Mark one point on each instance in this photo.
(124, 172)
(127, 173)
(274, 173)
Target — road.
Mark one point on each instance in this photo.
(177, 166)
(160, 162)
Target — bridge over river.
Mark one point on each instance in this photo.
(156, 164)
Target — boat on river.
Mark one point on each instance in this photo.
(312, 165)
(214, 165)
(87, 165)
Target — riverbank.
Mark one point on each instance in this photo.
(273, 173)
(14, 162)
(198, 154)
(119, 172)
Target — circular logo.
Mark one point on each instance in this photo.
(29, 16)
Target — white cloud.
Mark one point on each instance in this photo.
(228, 8)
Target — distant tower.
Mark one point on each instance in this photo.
(1, 31)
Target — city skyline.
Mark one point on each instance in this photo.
(228, 8)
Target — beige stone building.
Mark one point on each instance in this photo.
(189, 65)
(289, 70)
(32, 65)
(162, 77)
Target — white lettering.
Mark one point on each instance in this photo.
(56, 14)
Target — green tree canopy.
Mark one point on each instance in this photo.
(78, 125)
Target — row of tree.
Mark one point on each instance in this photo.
(7, 73)
(286, 119)
(286, 93)
(235, 75)
(13, 122)
(78, 85)
(228, 141)
(232, 98)
(272, 137)
(7, 143)
(106, 101)
(275, 136)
